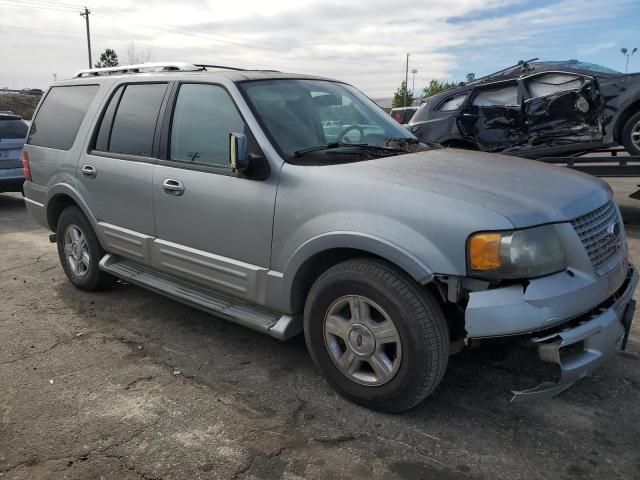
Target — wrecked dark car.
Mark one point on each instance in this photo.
(536, 109)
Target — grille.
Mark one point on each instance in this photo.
(592, 228)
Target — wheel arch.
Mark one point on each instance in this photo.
(629, 110)
(62, 196)
(319, 254)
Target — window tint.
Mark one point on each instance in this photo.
(202, 120)
(134, 124)
(497, 97)
(13, 129)
(553, 83)
(57, 123)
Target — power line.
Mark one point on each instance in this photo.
(209, 37)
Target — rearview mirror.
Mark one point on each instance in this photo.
(238, 157)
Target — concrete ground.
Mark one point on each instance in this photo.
(126, 384)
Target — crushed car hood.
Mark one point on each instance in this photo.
(526, 192)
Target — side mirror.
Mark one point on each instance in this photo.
(238, 156)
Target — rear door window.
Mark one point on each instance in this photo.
(59, 118)
(497, 97)
(134, 124)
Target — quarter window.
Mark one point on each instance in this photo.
(203, 118)
(59, 118)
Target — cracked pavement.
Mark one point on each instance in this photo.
(126, 384)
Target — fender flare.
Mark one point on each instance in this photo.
(64, 189)
(371, 244)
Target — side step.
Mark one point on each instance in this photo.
(266, 321)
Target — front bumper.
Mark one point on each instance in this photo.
(580, 347)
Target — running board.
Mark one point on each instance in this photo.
(266, 321)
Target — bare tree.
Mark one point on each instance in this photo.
(136, 55)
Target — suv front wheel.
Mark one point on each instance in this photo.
(631, 134)
(80, 252)
(379, 338)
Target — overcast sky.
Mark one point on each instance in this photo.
(363, 42)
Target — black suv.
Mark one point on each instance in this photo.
(536, 109)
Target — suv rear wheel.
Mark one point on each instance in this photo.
(631, 134)
(80, 252)
(376, 336)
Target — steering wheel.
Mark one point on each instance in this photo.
(341, 135)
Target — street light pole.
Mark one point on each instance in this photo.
(626, 53)
(413, 84)
(406, 83)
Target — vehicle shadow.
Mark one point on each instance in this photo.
(12, 214)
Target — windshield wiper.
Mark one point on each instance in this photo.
(330, 146)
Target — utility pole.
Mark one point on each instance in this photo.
(86, 18)
(406, 82)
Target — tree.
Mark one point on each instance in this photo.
(437, 86)
(471, 77)
(137, 55)
(109, 58)
(402, 97)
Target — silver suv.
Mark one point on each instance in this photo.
(234, 192)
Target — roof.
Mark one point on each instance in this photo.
(181, 69)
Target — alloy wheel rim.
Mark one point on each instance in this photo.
(635, 135)
(76, 250)
(362, 340)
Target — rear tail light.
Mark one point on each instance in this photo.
(25, 165)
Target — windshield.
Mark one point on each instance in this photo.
(596, 68)
(303, 114)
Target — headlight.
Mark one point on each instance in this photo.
(528, 253)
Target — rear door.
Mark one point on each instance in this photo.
(115, 176)
(493, 116)
(563, 108)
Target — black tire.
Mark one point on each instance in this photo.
(417, 316)
(94, 279)
(627, 131)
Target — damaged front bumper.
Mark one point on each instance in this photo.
(579, 347)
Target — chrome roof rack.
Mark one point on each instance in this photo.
(140, 68)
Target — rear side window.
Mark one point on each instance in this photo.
(13, 129)
(135, 119)
(59, 118)
(203, 118)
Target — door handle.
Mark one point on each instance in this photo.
(173, 187)
(89, 171)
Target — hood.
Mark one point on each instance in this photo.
(526, 192)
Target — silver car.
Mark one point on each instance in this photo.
(13, 133)
(220, 188)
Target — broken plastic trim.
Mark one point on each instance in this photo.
(580, 349)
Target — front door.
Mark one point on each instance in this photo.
(213, 226)
(493, 117)
(563, 108)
